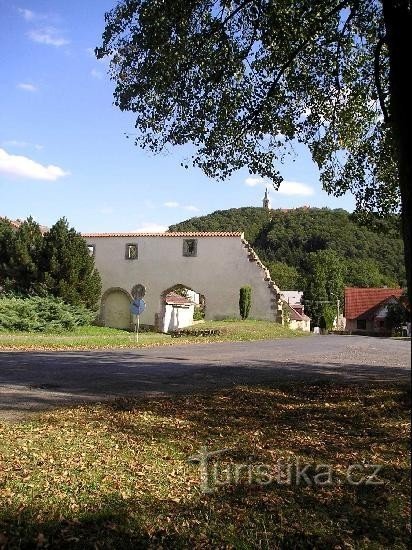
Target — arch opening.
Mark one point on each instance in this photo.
(115, 308)
(181, 307)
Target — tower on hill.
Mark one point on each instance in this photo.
(266, 200)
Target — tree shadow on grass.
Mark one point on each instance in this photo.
(334, 423)
(237, 516)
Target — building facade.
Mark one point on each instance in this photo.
(213, 265)
(366, 309)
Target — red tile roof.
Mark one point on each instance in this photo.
(177, 300)
(170, 234)
(295, 315)
(360, 300)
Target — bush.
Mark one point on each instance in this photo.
(41, 314)
(245, 301)
(198, 314)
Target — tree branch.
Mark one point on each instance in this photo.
(293, 56)
(377, 74)
(351, 15)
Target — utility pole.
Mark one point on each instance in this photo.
(337, 318)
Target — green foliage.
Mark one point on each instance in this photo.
(371, 247)
(241, 80)
(365, 273)
(245, 301)
(285, 276)
(323, 286)
(57, 263)
(198, 314)
(397, 316)
(41, 314)
(68, 268)
(20, 252)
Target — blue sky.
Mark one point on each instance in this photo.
(63, 150)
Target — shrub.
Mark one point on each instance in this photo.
(41, 314)
(245, 301)
(198, 314)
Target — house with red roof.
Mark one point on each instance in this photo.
(366, 309)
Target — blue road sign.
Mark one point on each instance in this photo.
(137, 306)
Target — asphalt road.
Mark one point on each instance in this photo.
(31, 381)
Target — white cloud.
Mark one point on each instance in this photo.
(49, 36)
(285, 188)
(295, 188)
(24, 167)
(22, 144)
(253, 182)
(96, 74)
(148, 227)
(28, 15)
(27, 87)
(174, 204)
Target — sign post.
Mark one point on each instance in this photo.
(137, 307)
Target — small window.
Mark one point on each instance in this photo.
(131, 251)
(361, 324)
(190, 247)
(92, 249)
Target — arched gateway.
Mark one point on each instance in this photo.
(215, 264)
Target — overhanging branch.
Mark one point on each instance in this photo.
(377, 74)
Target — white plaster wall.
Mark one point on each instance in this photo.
(177, 317)
(218, 271)
(302, 325)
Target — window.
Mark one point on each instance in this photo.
(131, 251)
(190, 247)
(92, 249)
(361, 324)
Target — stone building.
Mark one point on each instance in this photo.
(214, 265)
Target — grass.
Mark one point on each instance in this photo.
(107, 338)
(119, 475)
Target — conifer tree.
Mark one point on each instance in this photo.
(20, 251)
(68, 269)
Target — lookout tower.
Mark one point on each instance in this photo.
(266, 200)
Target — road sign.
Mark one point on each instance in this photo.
(138, 291)
(137, 307)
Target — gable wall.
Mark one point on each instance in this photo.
(221, 267)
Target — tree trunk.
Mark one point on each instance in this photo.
(398, 24)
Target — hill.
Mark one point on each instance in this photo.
(372, 251)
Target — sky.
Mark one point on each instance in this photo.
(63, 149)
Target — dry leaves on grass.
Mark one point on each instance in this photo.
(118, 474)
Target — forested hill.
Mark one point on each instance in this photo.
(372, 252)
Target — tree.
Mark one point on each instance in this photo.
(241, 80)
(365, 273)
(68, 270)
(7, 236)
(397, 315)
(20, 251)
(289, 236)
(245, 301)
(323, 286)
(285, 276)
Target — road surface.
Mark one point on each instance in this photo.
(31, 381)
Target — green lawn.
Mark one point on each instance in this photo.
(100, 337)
(119, 475)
